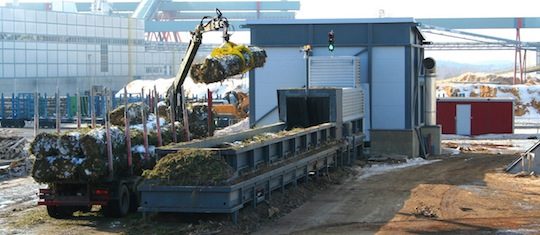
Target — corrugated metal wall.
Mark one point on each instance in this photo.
(486, 117)
(334, 71)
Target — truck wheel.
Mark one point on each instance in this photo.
(59, 212)
(119, 208)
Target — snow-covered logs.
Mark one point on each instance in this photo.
(228, 61)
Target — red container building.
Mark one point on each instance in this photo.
(475, 116)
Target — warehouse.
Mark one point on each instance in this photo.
(383, 56)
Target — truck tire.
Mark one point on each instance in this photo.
(60, 212)
(120, 207)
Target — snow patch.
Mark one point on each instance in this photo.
(235, 128)
(384, 168)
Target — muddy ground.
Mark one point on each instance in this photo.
(464, 193)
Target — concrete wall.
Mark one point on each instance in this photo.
(404, 142)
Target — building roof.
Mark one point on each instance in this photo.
(331, 21)
(476, 99)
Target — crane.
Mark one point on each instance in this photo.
(207, 24)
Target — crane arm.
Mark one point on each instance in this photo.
(214, 24)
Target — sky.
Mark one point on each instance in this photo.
(421, 9)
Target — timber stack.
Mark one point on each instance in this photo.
(228, 61)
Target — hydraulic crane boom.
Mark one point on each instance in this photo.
(207, 24)
(214, 24)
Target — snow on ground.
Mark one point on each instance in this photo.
(235, 128)
(192, 89)
(378, 169)
(17, 192)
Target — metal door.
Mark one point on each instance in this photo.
(463, 119)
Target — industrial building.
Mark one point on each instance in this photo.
(382, 56)
(45, 49)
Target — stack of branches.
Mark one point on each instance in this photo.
(229, 61)
(191, 167)
(82, 155)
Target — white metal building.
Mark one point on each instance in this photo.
(43, 49)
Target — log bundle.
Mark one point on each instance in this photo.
(81, 155)
(14, 158)
(229, 61)
(12, 147)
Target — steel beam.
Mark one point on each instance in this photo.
(183, 26)
(116, 6)
(231, 6)
(146, 9)
(481, 23)
(238, 15)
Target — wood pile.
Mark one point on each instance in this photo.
(14, 157)
(229, 61)
(191, 167)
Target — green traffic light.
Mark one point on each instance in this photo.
(331, 47)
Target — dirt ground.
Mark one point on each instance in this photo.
(464, 193)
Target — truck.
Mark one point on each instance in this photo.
(118, 193)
